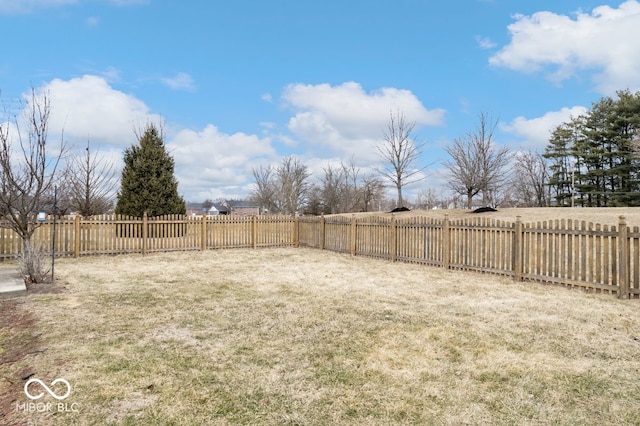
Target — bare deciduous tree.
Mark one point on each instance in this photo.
(344, 189)
(282, 189)
(427, 199)
(264, 193)
(292, 184)
(477, 164)
(531, 175)
(91, 183)
(371, 190)
(464, 169)
(331, 192)
(400, 153)
(27, 173)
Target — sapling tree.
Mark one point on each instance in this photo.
(90, 181)
(27, 172)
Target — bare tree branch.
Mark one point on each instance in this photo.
(27, 176)
(400, 152)
(477, 164)
(282, 189)
(91, 182)
(531, 174)
(292, 184)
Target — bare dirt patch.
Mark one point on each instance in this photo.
(18, 341)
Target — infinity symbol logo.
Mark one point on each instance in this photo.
(51, 392)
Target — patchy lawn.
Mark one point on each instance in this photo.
(301, 336)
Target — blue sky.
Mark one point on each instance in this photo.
(242, 83)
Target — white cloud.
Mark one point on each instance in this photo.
(485, 42)
(181, 81)
(211, 164)
(346, 121)
(604, 42)
(89, 108)
(536, 131)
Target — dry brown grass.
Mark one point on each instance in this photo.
(301, 336)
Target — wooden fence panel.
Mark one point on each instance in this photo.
(338, 234)
(373, 237)
(10, 244)
(274, 231)
(110, 234)
(230, 231)
(43, 237)
(173, 233)
(311, 231)
(420, 240)
(571, 253)
(481, 244)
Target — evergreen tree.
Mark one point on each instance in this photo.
(148, 183)
(602, 147)
(558, 152)
(625, 123)
(593, 150)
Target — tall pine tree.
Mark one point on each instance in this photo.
(603, 146)
(148, 183)
(558, 152)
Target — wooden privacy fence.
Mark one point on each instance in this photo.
(597, 257)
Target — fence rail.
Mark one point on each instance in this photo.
(597, 257)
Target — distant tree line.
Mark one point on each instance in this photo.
(594, 159)
(286, 189)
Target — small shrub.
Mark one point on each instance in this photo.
(34, 264)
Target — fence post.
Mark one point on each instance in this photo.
(517, 249)
(296, 232)
(145, 233)
(446, 243)
(354, 233)
(623, 259)
(76, 232)
(254, 231)
(322, 232)
(393, 250)
(203, 233)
